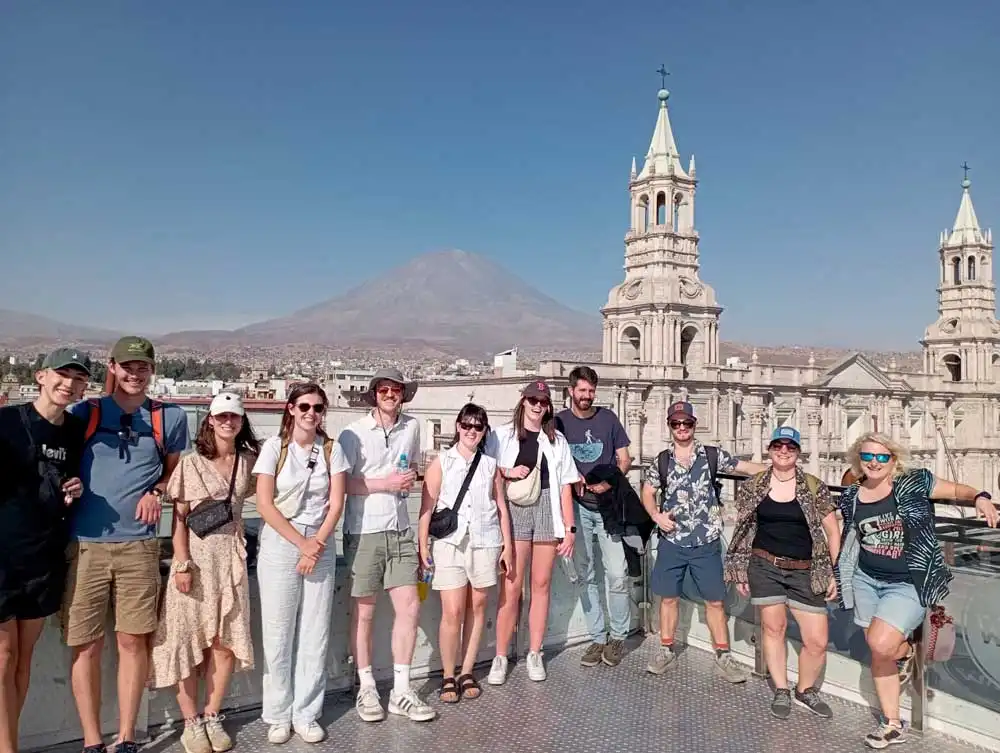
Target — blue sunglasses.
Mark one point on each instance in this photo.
(882, 457)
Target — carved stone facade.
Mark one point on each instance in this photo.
(661, 344)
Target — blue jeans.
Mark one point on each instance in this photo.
(615, 572)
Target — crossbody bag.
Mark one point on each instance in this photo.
(208, 517)
(444, 522)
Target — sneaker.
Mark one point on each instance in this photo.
(220, 739)
(96, 748)
(193, 738)
(781, 705)
(310, 733)
(368, 705)
(661, 661)
(809, 699)
(613, 653)
(409, 704)
(279, 734)
(498, 671)
(592, 656)
(884, 735)
(730, 669)
(126, 746)
(536, 670)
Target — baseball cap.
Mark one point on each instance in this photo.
(132, 348)
(64, 358)
(226, 402)
(537, 389)
(787, 434)
(681, 410)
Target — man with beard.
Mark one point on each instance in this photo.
(132, 445)
(597, 439)
(40, 448)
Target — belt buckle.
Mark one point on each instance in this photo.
(777, 560)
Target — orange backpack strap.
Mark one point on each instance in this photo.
(156, 420)
(327, 451)
(93, 419)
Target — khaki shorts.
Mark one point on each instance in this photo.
(380, 561)
(457, 566)
(125, 575)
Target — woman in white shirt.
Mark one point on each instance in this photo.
(464, 561)
(301, 480)
(539, 471)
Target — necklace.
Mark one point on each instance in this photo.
(776, 476)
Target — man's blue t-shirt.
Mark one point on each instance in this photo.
(116, 473)
(594, 442)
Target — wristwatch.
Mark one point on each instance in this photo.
(984, 495)
(571, 529)
(182, 567)
(156, 492)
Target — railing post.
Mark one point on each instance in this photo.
(918, 685)
(759, 665)
(521, 631)
(646, 605)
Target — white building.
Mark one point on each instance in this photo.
(661, 343)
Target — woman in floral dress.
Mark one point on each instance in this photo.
(204, 625)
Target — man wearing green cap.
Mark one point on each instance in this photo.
(40, 448)
(132, 445)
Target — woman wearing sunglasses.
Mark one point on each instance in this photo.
(300, 495)
(204, 625)
(539, 471)
(781, 556)
(891, 571)
(464, 562)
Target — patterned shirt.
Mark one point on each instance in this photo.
(688, 493)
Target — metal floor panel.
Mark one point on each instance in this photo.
(591, 710)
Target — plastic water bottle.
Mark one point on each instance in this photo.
(402, 466)
(569, 567)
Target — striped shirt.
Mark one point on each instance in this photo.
(478, 514)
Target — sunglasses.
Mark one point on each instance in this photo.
(390, 390)
(470, 426)
(536, 401)
(787, 446)
(316, 408)
(682, 424)
(882, 457)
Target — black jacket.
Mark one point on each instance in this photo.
(623, 513)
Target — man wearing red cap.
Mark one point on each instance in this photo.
(689, 519)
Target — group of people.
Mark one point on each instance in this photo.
(83, 483)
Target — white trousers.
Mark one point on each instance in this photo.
(296, 615)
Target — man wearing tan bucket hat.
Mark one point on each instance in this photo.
(380, 545)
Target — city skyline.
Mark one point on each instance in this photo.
(217, 149)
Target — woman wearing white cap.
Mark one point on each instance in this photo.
(204, 624)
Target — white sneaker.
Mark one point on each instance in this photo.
(536, 670)
(409, 704)
(368, 705)
(312, 733)
(498, 671)
(278, 734)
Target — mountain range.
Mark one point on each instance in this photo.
(441, 303)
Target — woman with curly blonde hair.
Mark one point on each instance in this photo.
(891, 570)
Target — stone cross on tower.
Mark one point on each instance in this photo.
(662, 70)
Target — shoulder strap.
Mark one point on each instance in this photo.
(22, 411)
(156, 421)
(813, 483)
(468, 480)
(327, 452)
(663, 466)
(282, 457)
(93, 419)
(712, 453)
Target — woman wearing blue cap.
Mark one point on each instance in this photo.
(781, 555)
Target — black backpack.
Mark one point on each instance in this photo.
(666, 458)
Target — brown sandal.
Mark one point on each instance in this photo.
(449, 691)
(470, 688)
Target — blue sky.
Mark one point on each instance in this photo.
(179, 165)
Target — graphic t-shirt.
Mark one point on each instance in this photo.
(593, 442)
(33, 468)
(119, 466)
(880, 532)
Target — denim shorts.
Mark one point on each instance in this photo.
(703, 563)
(896, 604)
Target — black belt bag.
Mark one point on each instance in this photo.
(210, 516)
(445, 522)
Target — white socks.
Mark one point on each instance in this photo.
(400, 678)
(367, 678)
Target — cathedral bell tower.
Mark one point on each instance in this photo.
(963, 345)
(662, 313)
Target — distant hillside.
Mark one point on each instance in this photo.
(18, 329)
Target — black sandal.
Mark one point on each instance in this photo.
(449, 687)
(470, 688)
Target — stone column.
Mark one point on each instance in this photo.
(606, 341)
(895, 426)
(614, 342)
(658, 337)
(715, 414)
(940, 459)
(634, 416)
(756, 424)
(645, 354)
(813, 419)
